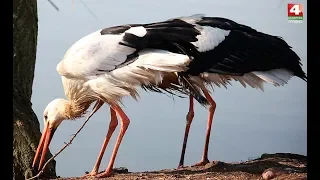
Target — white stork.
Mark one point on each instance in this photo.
(183, 54)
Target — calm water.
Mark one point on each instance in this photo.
(247, 122)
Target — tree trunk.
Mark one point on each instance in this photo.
(26, 128)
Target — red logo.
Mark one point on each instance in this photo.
(295, 10)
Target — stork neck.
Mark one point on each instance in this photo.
(76, 110)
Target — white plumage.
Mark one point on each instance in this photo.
(210, 38)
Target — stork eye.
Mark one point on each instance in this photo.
(45, 117)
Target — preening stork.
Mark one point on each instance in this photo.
(185, 54)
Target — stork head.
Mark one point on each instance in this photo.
(53, 115)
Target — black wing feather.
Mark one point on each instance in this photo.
(245, 50)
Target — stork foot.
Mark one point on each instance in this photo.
(91, 174)
(104, 174)
(180, 167)
(203, 162)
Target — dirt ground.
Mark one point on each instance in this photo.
(279, 166)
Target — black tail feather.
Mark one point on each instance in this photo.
(193, 90)
(171, 91)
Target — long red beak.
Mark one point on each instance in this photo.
(44, 143)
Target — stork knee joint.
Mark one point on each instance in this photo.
(189, 116)
(126, 122)
(213, 106)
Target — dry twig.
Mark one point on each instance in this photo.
(54, 5)
(98, 104)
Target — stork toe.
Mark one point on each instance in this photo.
(203, 162)
(104, 174)
(91, 174)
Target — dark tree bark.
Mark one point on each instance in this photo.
(26, 128)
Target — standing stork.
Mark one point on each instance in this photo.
(183, 54)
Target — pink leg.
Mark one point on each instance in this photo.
(189, 118)
(124, 125)
(212, 109)
(112, 126)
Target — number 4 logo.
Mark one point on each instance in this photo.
(295, 10)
